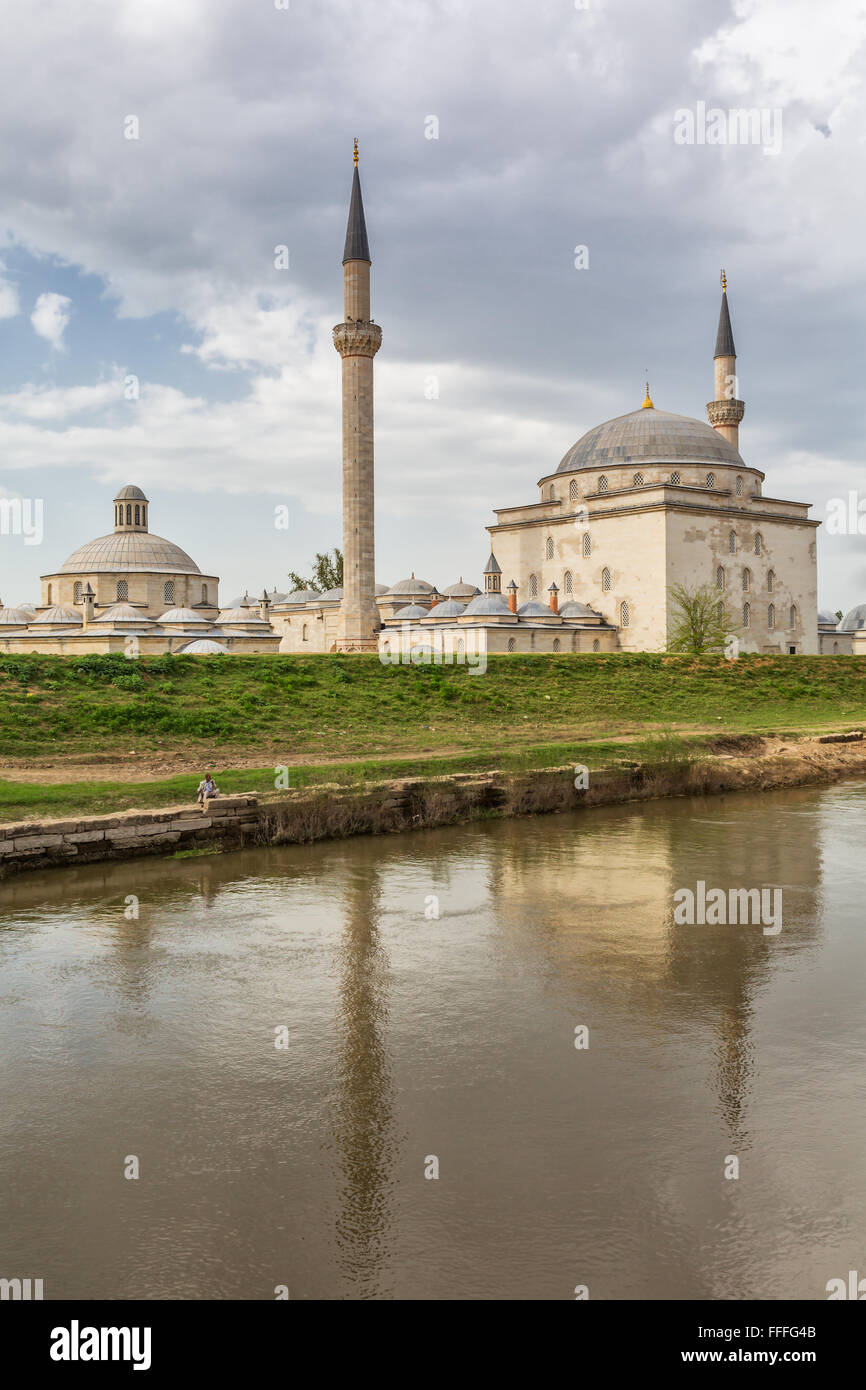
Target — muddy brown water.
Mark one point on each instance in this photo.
(413, 1037)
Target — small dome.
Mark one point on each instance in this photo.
(303, 596)
(412, 610)
(462, 592)
(331, 596)
(573, 609)
(382, 589)
(27, 608)
(58, 616)
(854, 620)
(130, 493)
(204, 646)
(411, 586)
(827, 620)
(649, 436)
(184, 615)
(15, 617)
(535, 609)
(122, 613)
(241, 615)
(449, 609)
(487, 606)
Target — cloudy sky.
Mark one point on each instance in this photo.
(154, 258)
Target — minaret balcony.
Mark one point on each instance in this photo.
(358, 338)
(725, 412)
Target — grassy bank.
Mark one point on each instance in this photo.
(353, 707)
(31, 800)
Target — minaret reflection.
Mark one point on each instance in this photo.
(364, 1120)
(610, 933)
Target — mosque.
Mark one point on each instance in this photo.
(638, 505)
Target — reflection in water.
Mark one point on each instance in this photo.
(451, 1036)
(363, 1105)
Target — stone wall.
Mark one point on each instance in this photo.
(80, 840)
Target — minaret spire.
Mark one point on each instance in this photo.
(726, 411)
(357, 340)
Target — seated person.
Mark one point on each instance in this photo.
(207, 789)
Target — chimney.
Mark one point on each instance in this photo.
(554, 598)
(512, 596)
(264, 605)
(87, 611)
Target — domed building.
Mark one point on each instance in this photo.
(132, 565)
(651, 500)
(135, 593)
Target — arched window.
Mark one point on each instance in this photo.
(533, 586)
(550, 547)
(637, 480)
(720, 612)
(77, 591)
(747, 580)
(739, 487)
(732, 543)
(511, 644)
(595, 644)
(602, 484)
(605, 580)
(711, 480)
(572, 490)
(461, 646)
(204, 593)
(720, 578)
(556, 644)
(835, 648)
(168, 592)
(624, 615)
(587, 544)
(771, 616)
(137, 514)
(759, 543)
(792, 622)
(532, 641)
(675, 479)
(48, 594)
(122, 591)
(771, 581)
(574, 641)
(129, 513)
(568, 582)
(747, 615)
(304, 633)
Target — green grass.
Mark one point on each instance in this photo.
(350, 718)
(353, 706)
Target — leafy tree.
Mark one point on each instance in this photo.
(327, 573)
(701, 620)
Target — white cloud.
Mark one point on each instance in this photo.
(9, 305)
(50, 317)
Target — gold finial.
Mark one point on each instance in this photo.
(355, 154)
(647, 405)
(724, 283)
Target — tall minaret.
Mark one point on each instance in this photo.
(726, 411)
(357, 341)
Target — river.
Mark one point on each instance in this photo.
(288, 1044)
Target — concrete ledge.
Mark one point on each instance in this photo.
(231, 820)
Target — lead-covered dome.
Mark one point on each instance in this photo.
(854, 620)
(649, 436)
(128, 552)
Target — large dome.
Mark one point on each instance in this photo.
(129, 551)
(649, 436)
